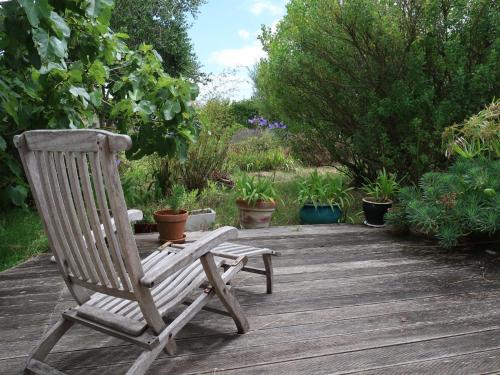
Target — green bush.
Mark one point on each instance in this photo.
(206, 155)
(62, 67)
(451, 205)
(263, 152)
(380, 80)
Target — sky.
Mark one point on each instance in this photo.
(224, 37)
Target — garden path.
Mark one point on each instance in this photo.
(348, 299)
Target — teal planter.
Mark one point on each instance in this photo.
(321, 214)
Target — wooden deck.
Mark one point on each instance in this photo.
(347, 299)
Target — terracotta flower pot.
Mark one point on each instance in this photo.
(255, 216)
(170, 225)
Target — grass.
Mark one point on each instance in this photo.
(21, 237)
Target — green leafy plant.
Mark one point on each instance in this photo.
(61, 66)
(252, 189)
(478, 135)
(384, 188)
(380, 80)
(454, 204)
(324, 189)
(261, 152)
(178, 198)
(209, 153)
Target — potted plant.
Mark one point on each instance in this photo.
(172, 221)
(255, 198)
(201, 219)
(323, 197)
(380, 195)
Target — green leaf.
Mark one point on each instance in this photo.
(17, 194)
(168, 112)
(35, 10)
(57, 47)
(96, 97)
(3, 144)
(176, 106)
(100, 9)
(98, 72)
(41, 40)
(59, 26)
(80, 92)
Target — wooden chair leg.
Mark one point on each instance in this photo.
(224, 293)
(268, 265)
(144, 361)
(48, 341)
(171, 346)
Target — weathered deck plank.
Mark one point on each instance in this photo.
(347, 299)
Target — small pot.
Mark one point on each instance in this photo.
(256, 216)
(145, 228)
(170, 225)
(200, 220)
(321, 214)
(375, 212)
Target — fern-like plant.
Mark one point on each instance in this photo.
(454, 204)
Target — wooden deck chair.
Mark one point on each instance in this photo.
(74, 179)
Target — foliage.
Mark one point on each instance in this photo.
(21, 237)
(383, 188)
(205, 156)
(177, 198)
(307, 147)
(451, 205)
(262, 152)
(324, 189)
(252, 189)
(62, 67)
(480, 134)
(163, 24)
(380, 80)
(244, 109)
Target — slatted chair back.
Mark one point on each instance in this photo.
(74, 179)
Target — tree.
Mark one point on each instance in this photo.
(164, 25)
(61, 66)
(378, 81)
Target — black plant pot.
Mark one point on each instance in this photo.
(375, 212)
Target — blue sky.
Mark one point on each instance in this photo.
(224, 37)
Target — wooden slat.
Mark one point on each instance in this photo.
(91, 207)
(88, 236)
(75, 226)
(55, 217)
(105, 219)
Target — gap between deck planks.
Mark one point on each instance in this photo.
(373, 280)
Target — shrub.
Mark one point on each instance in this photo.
(263, 152)
(380, 80)
(205, 156)
(451, 205)
(62, 67)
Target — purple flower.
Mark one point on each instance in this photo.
(263, 122)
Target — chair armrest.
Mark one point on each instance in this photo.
(188, 255)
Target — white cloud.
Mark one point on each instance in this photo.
(258, 7)
(245, 56)
(244, 34)
(234, 84)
